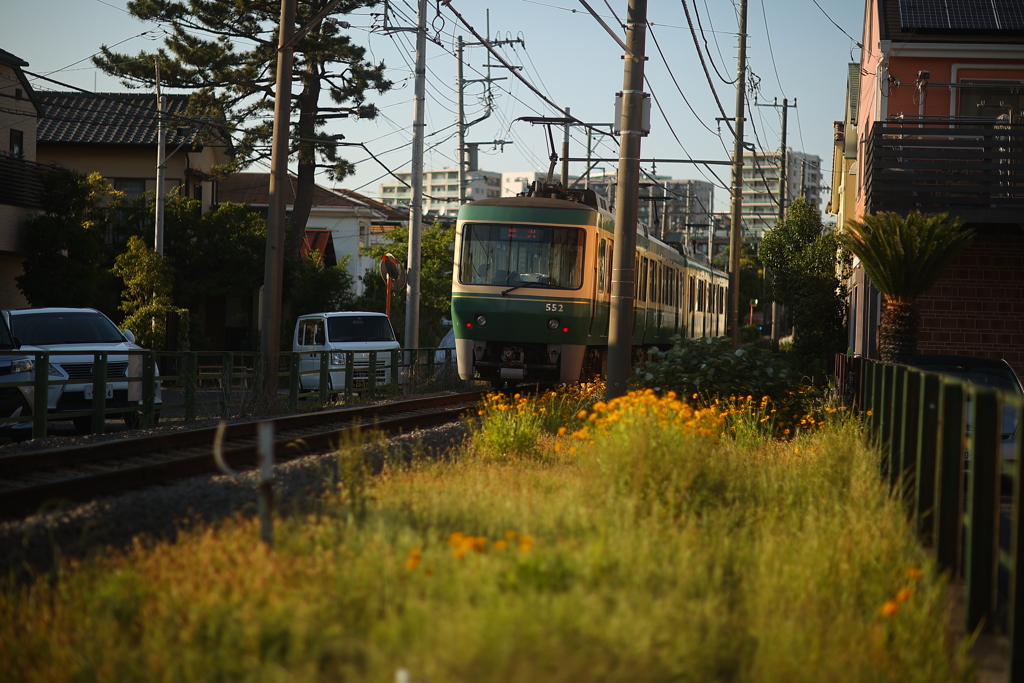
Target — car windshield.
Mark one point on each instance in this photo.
(73, 327)
(986, 377)
(522, 256)
(359, 328)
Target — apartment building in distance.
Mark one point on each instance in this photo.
(761, 187)
(440, 190)
(674, 210)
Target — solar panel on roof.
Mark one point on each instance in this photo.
(971, 14)
(923, 14)
(1010, 14)
(975, 15)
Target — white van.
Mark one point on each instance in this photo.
(339, 332)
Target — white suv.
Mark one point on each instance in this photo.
(73, 336)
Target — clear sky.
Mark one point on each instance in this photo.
(797, 49)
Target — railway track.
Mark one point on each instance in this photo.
(80, 472)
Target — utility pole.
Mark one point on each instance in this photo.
(783, 202)
(463, 152)
(412, 288)
(161, 162)
(565, 150)
(736, 228)
(273, 269)
(620, 332)
(461, 113)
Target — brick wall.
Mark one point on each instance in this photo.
(977, 308)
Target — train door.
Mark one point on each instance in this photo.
(653, 305)
(691, 305)
(640, 300)
(601, 311)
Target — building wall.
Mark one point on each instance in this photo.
(124, 162)
(977, 308)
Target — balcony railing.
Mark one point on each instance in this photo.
(970, 169)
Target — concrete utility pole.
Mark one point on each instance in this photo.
(161, 162)
(736, 229)
(461, 113)
(783, 201)
(412, 288)
(620, 330)
(565, 150)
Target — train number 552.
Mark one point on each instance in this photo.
(558, 308)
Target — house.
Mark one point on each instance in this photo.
(115, 135)
(19, 185)
(934, 123)
(349, 219)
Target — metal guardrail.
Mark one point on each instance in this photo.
(222, 384)
(920, 422)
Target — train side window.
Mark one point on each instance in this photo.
(611, 265)
(693, 294)
(654, 281)
(601, 264)
(644, 265)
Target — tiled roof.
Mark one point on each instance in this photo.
(104, 118)
(254, 189)
(390, 212)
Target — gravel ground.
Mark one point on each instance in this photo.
(32, 545)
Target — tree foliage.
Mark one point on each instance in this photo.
(146, 300)
(317, 287)
(225, 54)
(904, 257)
(806, 263)
(437, 259)
(220, 252)
(66, 259)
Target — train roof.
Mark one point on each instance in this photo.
(533, 203)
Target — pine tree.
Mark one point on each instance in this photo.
(225, 52)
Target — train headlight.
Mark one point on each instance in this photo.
(481, 320)
(554, 324)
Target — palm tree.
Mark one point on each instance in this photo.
(904, 257)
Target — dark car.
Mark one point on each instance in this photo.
(987, 372)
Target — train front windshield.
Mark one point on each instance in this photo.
(522, 256)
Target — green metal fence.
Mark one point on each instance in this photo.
(196, 385)
(943, 452)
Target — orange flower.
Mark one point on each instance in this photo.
(903, 595)
(890, 608)
(525, 543)
(914, 573)
(413, 560)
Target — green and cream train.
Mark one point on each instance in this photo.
(531, 289)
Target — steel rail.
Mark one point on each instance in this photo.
(141, 461)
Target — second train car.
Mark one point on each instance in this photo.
(531, 289)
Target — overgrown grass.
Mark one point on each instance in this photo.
(642, 546)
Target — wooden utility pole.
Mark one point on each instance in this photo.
(620, 332)
(736, 227)
(273, 268)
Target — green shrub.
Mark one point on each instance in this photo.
(716, 368)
